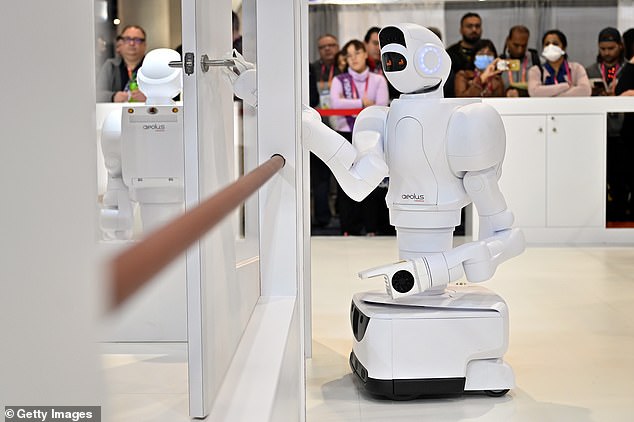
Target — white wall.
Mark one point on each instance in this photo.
(48, 278)
(625, 18)
(161, 20)
(354, 21)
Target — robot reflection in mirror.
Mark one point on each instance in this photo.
(143, 152)
(427, 335)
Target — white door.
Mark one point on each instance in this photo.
(223, 283)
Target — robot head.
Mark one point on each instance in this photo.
(414, 59)
(159, 82)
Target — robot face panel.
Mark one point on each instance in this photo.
(393, 61)
(414, 59)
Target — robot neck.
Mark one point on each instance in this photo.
(436, 93)
(428, 92)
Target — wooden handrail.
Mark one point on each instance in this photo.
(136, 266)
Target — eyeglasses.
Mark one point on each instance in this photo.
(129, 40)
(333, 45)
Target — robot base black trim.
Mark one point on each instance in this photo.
(406, 389)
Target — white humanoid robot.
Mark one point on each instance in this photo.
(427, 336)
(143, 152)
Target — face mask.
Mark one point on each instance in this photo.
(481, 62)
(552, 53)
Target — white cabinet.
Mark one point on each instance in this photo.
(553, 172)
(575, 170)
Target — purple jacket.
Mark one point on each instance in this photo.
(340, 97)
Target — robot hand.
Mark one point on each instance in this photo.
(404, 278)
(243, 77)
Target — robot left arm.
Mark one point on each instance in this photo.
(476, 148)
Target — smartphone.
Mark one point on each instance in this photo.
(514, 65)
(509, 64)
(598, 83)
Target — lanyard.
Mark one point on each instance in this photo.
(355, 93)
(611, 73)
(568, 74)
(330, 75)
(524, 67)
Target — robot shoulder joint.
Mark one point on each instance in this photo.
(476, 139)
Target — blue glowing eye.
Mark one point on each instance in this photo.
(429, 60)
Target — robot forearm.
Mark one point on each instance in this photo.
(358, 172)
(496, 220)
(478, 260)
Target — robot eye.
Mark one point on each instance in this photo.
(429, 60)
(393, 62)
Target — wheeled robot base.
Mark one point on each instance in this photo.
(431, 345)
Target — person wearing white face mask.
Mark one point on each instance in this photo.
(558, 76)
(485, 80)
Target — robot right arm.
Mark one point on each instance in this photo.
(116, 217)
(358, 167)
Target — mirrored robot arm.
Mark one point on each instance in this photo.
(243, 77)
(358, 167)
(116, 216)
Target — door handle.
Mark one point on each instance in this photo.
(205, 63)
(187, 65)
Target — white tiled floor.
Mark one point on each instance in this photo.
(571, 345)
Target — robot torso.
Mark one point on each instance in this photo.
(421, 179)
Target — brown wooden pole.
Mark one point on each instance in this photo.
(136, 266)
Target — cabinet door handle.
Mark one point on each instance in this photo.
(540, 129)
(554, 130)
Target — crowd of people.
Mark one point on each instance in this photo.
(340, 81)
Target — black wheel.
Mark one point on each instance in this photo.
(496, 393)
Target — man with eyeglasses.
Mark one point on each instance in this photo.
(116, 80)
